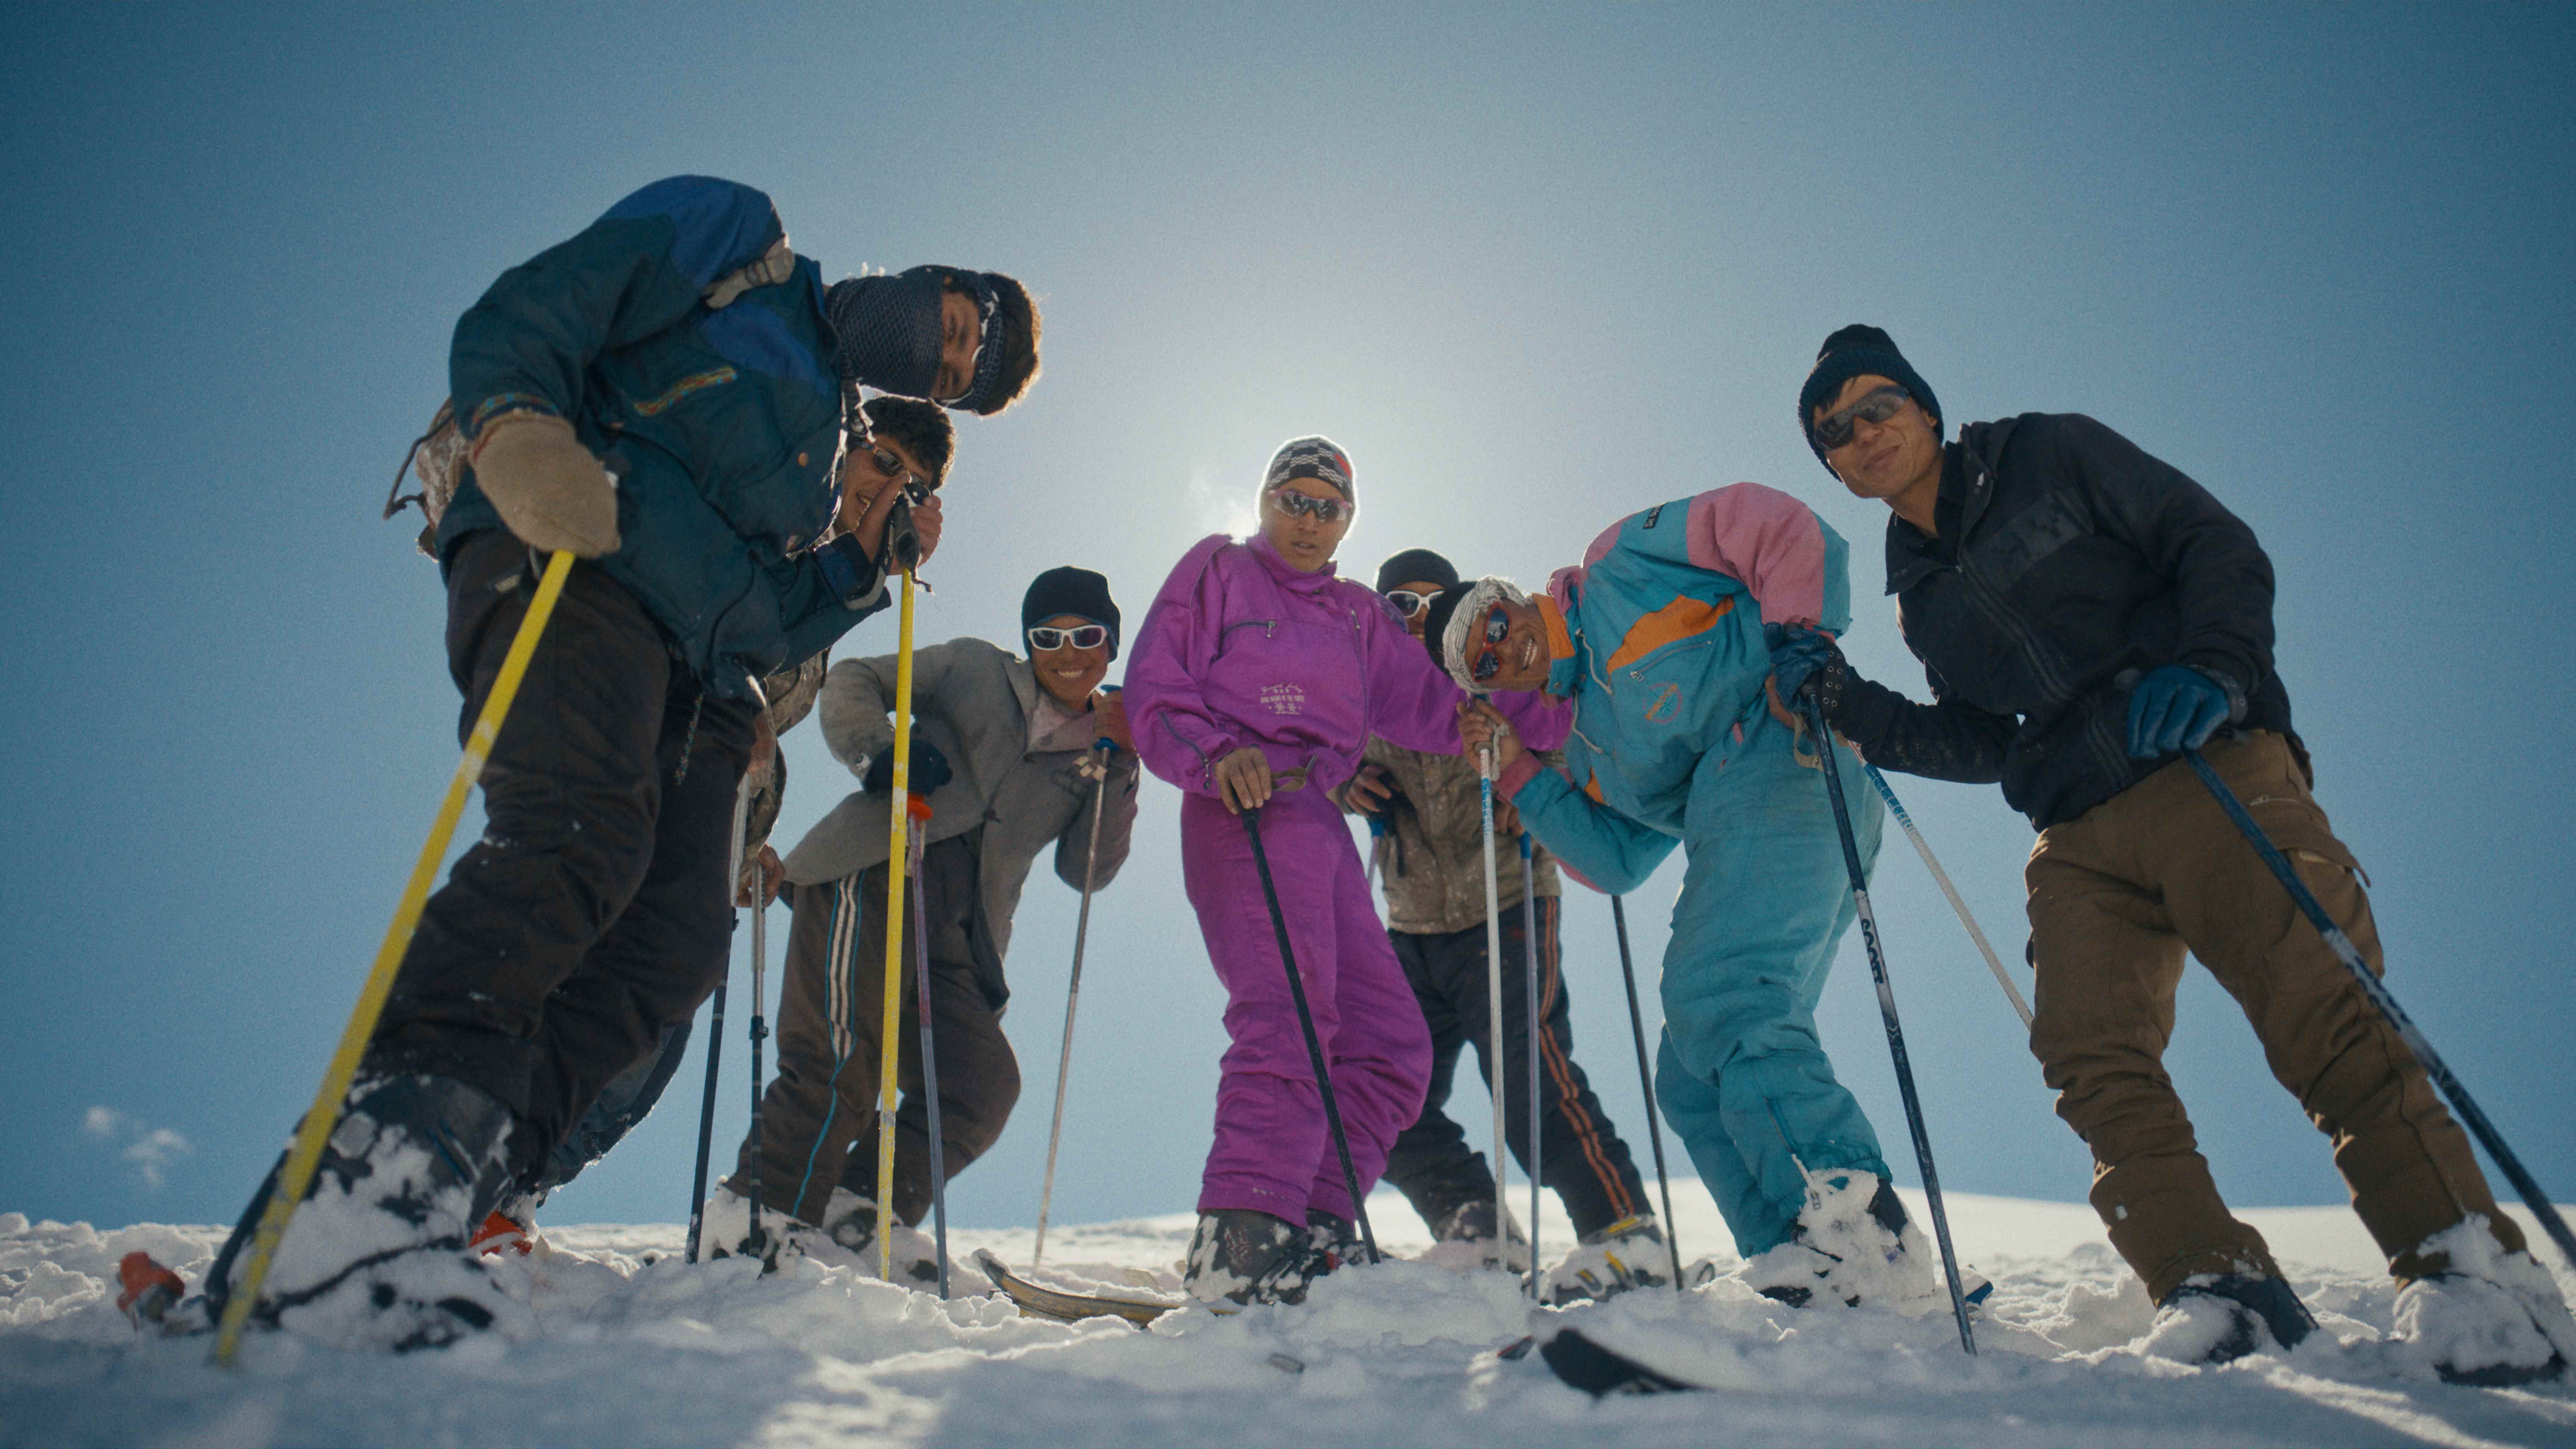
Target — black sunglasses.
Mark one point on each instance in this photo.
(1835, 428)
(1498, 627)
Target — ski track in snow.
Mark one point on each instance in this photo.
(633, 1347)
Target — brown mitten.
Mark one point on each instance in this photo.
(547, 487)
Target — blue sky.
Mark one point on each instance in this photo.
(1535, 269)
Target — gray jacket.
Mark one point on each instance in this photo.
(973, 701)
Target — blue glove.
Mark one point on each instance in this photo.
(929, 770)
(2175, 708)
(1797, 652)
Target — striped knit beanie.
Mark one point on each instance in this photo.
(1317, 457)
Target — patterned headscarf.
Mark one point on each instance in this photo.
(1454, 636)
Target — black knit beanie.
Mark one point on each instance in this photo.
(1070, 590)
(1415, 566)
(1435, 622)
(1851, 352)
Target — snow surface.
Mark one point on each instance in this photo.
(633, 1347)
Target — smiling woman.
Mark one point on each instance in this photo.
(1259, 677)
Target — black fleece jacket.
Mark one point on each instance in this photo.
(2078, 564)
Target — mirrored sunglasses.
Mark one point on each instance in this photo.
(1083, 636)
(1498, 627)
(1299, 505)
(1877, 406)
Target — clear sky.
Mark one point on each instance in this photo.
(1535, 268)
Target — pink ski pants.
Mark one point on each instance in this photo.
(1273, 1151)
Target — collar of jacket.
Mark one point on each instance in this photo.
(1024, 685)
(1286, 574)
(1969, 463)
(1565, 661)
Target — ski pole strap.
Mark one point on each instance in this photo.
(2380, 996)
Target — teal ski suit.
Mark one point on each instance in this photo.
(1658, 644)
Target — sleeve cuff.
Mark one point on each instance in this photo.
(853, 576)
(2226, 680)
(1523, 769)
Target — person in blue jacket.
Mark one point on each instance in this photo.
(671, 397)
(1657, 638)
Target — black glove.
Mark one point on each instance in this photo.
(929, 769)
(1801, 656)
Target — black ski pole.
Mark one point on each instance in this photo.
(1832, 767)
(929, 1048)
(706, 1124)
(2377, 990)
(760, 1245)
(1306, 1023)
(1646, 1083)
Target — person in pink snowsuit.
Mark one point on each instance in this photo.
(1255, 682)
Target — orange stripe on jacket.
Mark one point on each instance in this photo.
(1675, 621)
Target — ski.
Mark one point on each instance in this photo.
(1036, 1301)
(1600, 1372)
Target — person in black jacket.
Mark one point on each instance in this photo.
(2084, 612)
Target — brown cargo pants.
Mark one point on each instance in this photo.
(818, 1119)
(2116, 896)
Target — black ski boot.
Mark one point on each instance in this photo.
(377, 1254)
(2216, 1318)
(1472, 1221)
(1244, 1256)
(1337, 1238)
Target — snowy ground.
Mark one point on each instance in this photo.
(636, 1348)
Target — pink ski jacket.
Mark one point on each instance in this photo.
(1241, 649)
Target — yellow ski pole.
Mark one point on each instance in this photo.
(324, 1117)
(888, 1043)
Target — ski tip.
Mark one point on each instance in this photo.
(1600, 1372)
(145, 1289)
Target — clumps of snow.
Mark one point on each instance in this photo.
(2492, 1311)
(629, 1345)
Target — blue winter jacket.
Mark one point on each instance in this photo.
(1663, 657)
(723, 427)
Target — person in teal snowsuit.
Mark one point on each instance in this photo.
(1657, 639)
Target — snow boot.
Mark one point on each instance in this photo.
(377, 1253)
(2216, 1318)
(724, 1230)
(850, 1223)
(511, 1227)
(1337, 1238)
(146, 1291)
(1470, 1225)
(1629, 1253)
(1244, 1256)
(2491, 1318)
(1854, 1244)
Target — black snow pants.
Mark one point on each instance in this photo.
(1583, 1159)
(594, 914)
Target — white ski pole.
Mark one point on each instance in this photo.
(1494, 1004)
(1100, 751)
(1941, 877)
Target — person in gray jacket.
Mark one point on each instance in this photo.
(1013, 753)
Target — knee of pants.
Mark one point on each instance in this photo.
(987, 1103)
(1750, 1019)
(600, 839)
